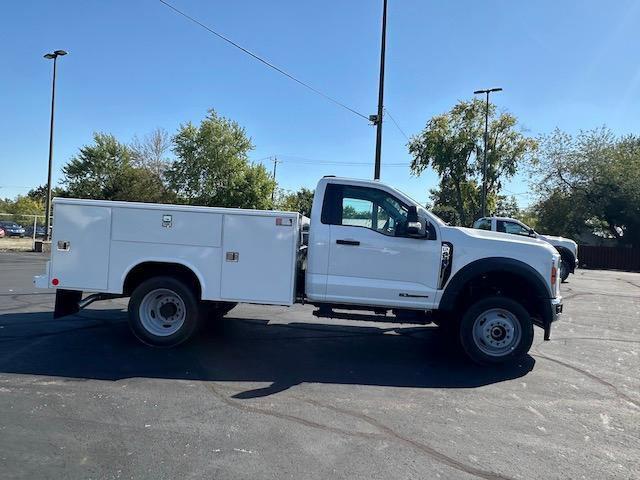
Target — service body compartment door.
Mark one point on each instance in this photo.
(258, 258)
(80, 247)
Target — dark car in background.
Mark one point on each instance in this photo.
(40, 231)
(12, 229)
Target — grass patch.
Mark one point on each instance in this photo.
(15, 244)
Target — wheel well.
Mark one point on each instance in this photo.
(147, 270)
(565, 253)
(508, 284)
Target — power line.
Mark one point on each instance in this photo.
(262, 60)
(312, 161)
(396, 124)
(349, 164)
(517, 193)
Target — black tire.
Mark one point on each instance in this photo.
(190, 317)
(564, 269)
(507, 337)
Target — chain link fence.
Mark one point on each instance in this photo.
(21, 231)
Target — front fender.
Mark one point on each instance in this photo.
(449, 300)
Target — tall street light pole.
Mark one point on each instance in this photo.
(377, 119)
(486, 141)
(51, 56)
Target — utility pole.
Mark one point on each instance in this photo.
(486, 141)
(51, 56)
(275, 167)
(377, 119)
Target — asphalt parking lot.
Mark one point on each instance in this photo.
(277, 393)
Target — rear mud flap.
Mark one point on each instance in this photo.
(67, 302)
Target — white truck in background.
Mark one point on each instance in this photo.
(567, 248)
(370, 248)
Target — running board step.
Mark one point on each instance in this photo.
(379, 315)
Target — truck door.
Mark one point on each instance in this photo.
(372, 260)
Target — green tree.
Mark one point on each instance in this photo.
(448, 214)
(452, 144)
(104, 170)
(22, 207)
(40, 193)
(152, 151)
(506, 207)
(212, 166)
(590, 182)
(299, 201)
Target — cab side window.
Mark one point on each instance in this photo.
(483, 224)
(365, 207)
(512, 227)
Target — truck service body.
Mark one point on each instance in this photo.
(370, 247)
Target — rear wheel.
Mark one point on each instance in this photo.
(163, 312)
(496, 330)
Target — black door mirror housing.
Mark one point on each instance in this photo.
(412, 214)
(415, 228)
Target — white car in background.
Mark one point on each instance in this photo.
(567, 248)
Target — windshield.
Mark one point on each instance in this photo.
(422, 210)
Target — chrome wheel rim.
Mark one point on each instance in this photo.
(496, 332)
(162, 312)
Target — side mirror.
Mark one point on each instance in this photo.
(532, 233)
(412, 214)
(415, 228)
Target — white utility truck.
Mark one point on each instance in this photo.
(567, 248)
(370, 248)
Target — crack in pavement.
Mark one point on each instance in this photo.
(596, 339)
(437, 455)
(619, 394)
(627, 281)
(285, 416)
(387, 432)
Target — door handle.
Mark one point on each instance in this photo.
(355, 243)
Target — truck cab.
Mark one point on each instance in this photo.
(362, 251)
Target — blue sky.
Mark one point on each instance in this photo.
(135, 65)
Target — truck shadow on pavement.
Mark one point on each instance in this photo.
(97, 344)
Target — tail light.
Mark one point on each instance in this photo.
(554, 277)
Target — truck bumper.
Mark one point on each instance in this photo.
(554, 311)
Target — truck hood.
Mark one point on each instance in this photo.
(498, 236)
(470, 244)
(560, 242)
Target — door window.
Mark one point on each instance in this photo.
(364, 207)
(512, 227)
(357, 212)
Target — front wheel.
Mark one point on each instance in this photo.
(496, 330)
(163, 312)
